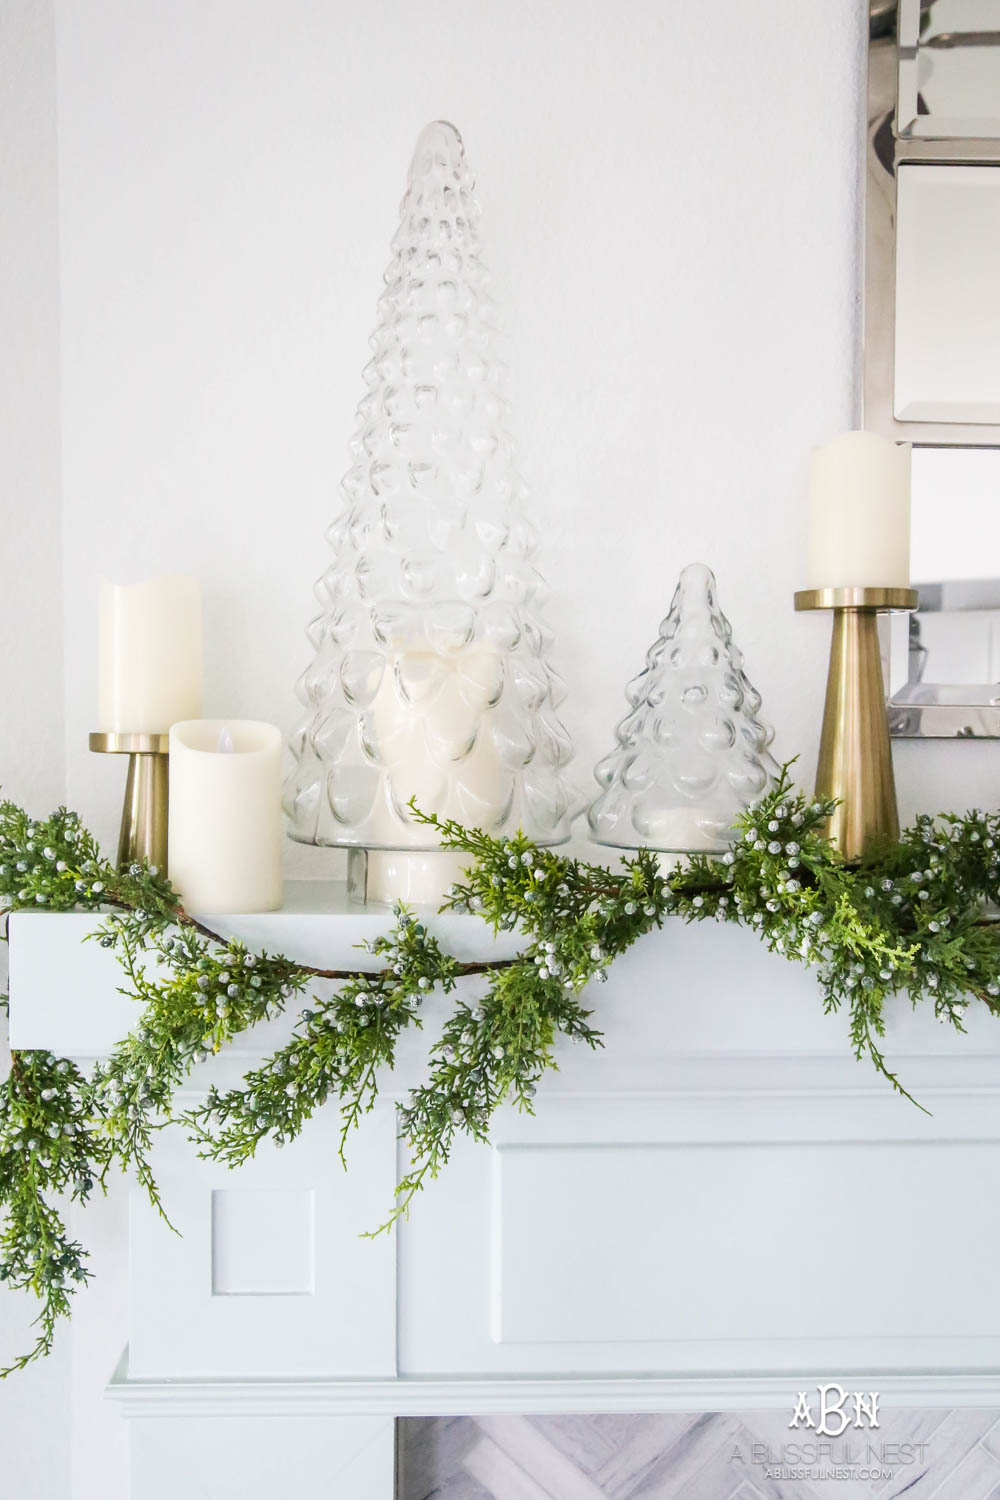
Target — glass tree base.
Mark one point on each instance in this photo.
(417, 877)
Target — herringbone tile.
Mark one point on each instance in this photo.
(694, 1466)
(579, 1438)
(709, 1456)
(639, 1447)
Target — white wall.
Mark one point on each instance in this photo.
(34, 1454)
(671, 210)
(670, 197)
(671, 214)
(32, 767)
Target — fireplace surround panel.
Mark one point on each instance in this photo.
(717, 1208)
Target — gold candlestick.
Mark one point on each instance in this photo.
(855, 761)
(144, 815)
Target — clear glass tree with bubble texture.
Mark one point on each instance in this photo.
(691, 753)
(431, 679)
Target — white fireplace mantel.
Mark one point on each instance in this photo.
(718, 1207)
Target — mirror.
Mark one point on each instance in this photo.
(932, 345)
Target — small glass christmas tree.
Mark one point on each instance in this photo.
(431, 677)
(691, 753)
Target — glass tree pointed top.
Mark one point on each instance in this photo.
(691, 752)
(431, 677)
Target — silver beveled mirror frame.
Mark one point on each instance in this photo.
(918, 710)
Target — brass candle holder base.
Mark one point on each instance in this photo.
(855, 760)
(144, 814)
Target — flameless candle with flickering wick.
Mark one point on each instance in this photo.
(225, 815)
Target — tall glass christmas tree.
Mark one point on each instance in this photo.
(431, 677)
(691, 752)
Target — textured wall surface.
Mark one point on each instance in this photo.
(670, 199)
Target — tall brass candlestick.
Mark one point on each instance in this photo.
(855, 760)
(143, 833)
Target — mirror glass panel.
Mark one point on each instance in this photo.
(949, 69)
(947, 359)
(948, 653)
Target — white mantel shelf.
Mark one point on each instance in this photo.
(688, 994)
(317, 925)
(407, 1396)
(719, 1205)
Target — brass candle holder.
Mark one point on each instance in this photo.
(855, 760)
(143, 833)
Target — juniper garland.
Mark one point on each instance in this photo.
(575, 918)
(908, 918)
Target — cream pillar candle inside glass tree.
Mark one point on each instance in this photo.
(431, 678)
(225, 815)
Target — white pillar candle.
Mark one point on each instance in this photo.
(859, 513)
(224, 839)
(150, 654)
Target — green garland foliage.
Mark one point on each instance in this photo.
(907, 918)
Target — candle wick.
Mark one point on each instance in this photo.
(225, 745)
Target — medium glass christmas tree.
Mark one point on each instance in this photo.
(431, 677)
(691, 753)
